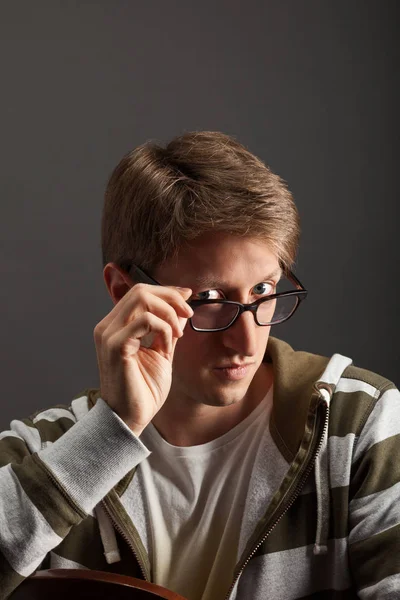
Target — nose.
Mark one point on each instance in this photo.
(242, 335)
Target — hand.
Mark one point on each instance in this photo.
(135, 345)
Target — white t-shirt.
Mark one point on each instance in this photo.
(196, 506)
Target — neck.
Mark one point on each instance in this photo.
(192, 424)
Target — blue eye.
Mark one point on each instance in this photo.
(264, 288)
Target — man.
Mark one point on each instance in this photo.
(213, 459)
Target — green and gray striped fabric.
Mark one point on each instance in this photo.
(58, 465)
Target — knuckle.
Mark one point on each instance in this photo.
(98, 331)
(147, 316)
(141, 288)
(142, 295)
(145, 321)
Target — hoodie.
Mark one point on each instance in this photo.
(331, 530)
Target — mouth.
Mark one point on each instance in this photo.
(233, 372)
(234, 366)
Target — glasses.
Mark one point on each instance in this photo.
(218, 315)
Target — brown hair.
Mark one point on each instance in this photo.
(159, 198)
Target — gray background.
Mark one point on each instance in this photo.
(310, 87)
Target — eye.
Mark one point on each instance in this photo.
(264, 288)
(206, 295)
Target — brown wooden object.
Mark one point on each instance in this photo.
(77, 584)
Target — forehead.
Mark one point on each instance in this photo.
(220, 258)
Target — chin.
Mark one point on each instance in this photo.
(226, 398)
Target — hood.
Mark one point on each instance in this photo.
(297, 377)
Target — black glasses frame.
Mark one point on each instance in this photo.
(300, 293)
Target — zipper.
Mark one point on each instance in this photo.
(303, 477)
(110, 512)
(130, 542)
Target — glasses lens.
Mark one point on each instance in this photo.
(275, 311)
(213, 316)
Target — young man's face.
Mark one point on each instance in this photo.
(238, 265)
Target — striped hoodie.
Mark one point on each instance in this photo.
(331, 531)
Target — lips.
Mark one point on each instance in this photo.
(232, 373)
(234, 366)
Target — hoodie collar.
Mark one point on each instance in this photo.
(298, 377)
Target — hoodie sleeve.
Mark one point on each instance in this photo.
(50, 483)
(374, 517)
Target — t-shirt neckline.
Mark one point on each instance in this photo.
(162, 445)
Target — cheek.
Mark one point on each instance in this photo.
(264, 335)
(264, 332)
(192, 347)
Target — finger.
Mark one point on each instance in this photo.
(142, 300)
(145, 298)
(128, 340)
(149, 298)
(175, 316)
(185, 292)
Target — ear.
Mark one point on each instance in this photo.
(118, 282)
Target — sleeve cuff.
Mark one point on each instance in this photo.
(94, 455)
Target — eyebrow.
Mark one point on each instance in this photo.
(211, 282)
